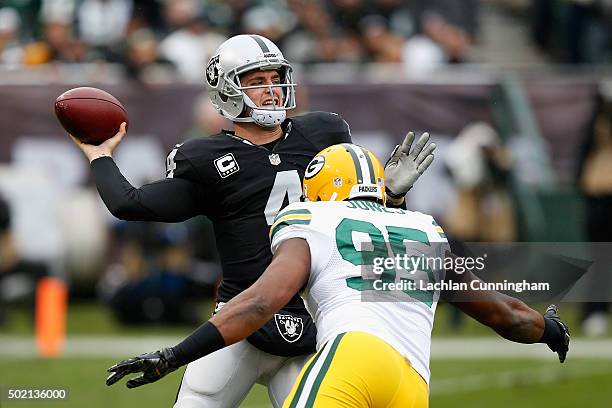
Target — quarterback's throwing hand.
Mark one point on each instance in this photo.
(407, 163)
(153, 366)
(560, 342)
(105, 148)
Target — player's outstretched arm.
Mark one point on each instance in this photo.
(510, 317)
(239, 318)
(147, 203)
(166, 200)
(406, 164)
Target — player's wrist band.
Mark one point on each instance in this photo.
(396, 202)
(205, 340)
(552, 331)
(168, 355)
(394, 195)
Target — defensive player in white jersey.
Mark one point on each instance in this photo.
(373, 340)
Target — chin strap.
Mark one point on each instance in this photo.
(265, 117)
(268, 118)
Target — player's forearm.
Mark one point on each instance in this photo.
(251, 309)
(238, 319)
(520, 323)
(509, 317)
(282, 279)
(243, 315)
(205, 340)
(116, 192)
(167, 200)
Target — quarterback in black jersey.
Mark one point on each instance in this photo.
(241, 179)
(251, 183)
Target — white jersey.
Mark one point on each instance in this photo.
(351, 289)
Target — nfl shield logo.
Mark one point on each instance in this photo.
(274, 159)
(289, 327)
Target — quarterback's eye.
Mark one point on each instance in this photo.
(256, 81)
(261, 80)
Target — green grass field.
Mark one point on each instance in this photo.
(87, 318)
(482, 382)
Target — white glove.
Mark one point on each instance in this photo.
(406, 165)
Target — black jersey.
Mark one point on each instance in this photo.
(240, 187)
(244, 186)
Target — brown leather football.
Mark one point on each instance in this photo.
(90, 114)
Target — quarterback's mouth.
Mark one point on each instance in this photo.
(269, 102)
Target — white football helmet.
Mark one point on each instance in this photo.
(236, 56)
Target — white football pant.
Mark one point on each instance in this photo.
(224, 378)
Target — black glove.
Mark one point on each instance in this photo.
(556, 333)
(153, 365)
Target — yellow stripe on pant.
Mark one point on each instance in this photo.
(358, 370)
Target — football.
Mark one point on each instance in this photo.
(90, 114)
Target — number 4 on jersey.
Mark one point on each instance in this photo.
(287, 185)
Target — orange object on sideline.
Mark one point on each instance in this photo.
(51, 306)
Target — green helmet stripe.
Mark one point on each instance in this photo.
(355, 162)
(370, 165)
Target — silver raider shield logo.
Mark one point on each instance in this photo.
(289, 327)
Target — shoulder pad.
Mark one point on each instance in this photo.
(327, 121)
(296, 206)
(198, 146)
(293, 214)
(183, 159)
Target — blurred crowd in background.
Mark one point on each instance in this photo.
(177, 37)
(152, 273)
